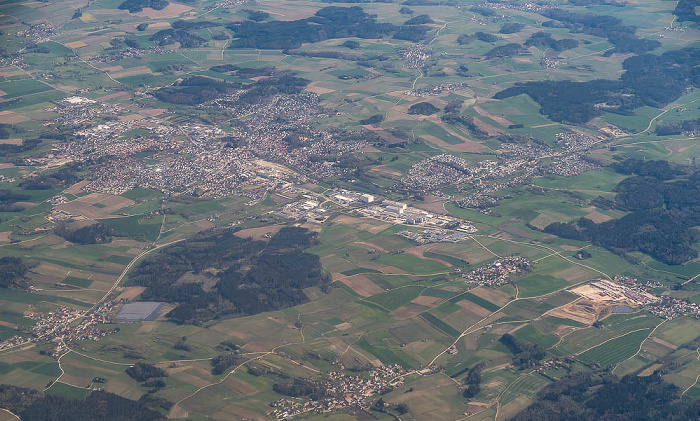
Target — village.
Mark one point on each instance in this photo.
(63, 326)
(343, 391)
(500, 271)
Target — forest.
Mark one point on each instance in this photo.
(328, 23)
(662, 215)
(589, 397)
(423, 108)
(171, 36)
(524, 354)
(621, 36)
(195, 90)
(135, 6)
(32, 405)
(98, 233)
(12, 271)
(685, 11)
(503, 51)
(9, 199)
(544, 39)
(648, 80)
(672, 128)
(240, 276)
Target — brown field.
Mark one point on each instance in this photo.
(461, 319)
(139, 70)
(10, 141)
(10, 117)
(465, 146)
(383, 169)
(343, 326)
(407, 311)
(491, 130)
(362, 286)
(129, 293)
(493, 295)
(650, 370)
(432, 204)
(542, 220)
(573, 274)
(425, 300)
(319, 90)
(664, 343)
(178, 412)
(500, 120)
(5, 236)
(77, 188)
(598, 217)
(513, 407)
(474, 308)
(259, 232)
(130, 117)
(83, 205)
(172, 10)
(75, 44)
(152, 112)
(113, 96)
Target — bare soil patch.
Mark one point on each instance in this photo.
(598, 217)
(172, 10)
(259, 232)
(500, 120)
(10, 117)
(75, 44)
(425, 300)
(491, 295)
(362, 286)
(129, 293)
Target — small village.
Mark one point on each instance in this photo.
(343, 391)
(500, 271)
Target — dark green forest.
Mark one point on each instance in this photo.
(32, 405)
(12, 271)
(328, 23)
(648, 80)
(244, 276)
(587, 397)
(664, 206)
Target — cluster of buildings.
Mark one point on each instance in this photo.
(499, 271)
(535, 7)
(415, 56)
(437, 90)
(343, 391)
(63, 326)
(401, 213)
(663, 306)
(477, 201)
(279, 129)
(434, 236)
(437, 172)
(305, 209)
(549, 63)
(629, 293)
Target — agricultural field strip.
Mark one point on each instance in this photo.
(611, 339)
(469, 329)
(696, 378)
(503, 392)
(11, 413)
(641, 344)
(272, 351)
